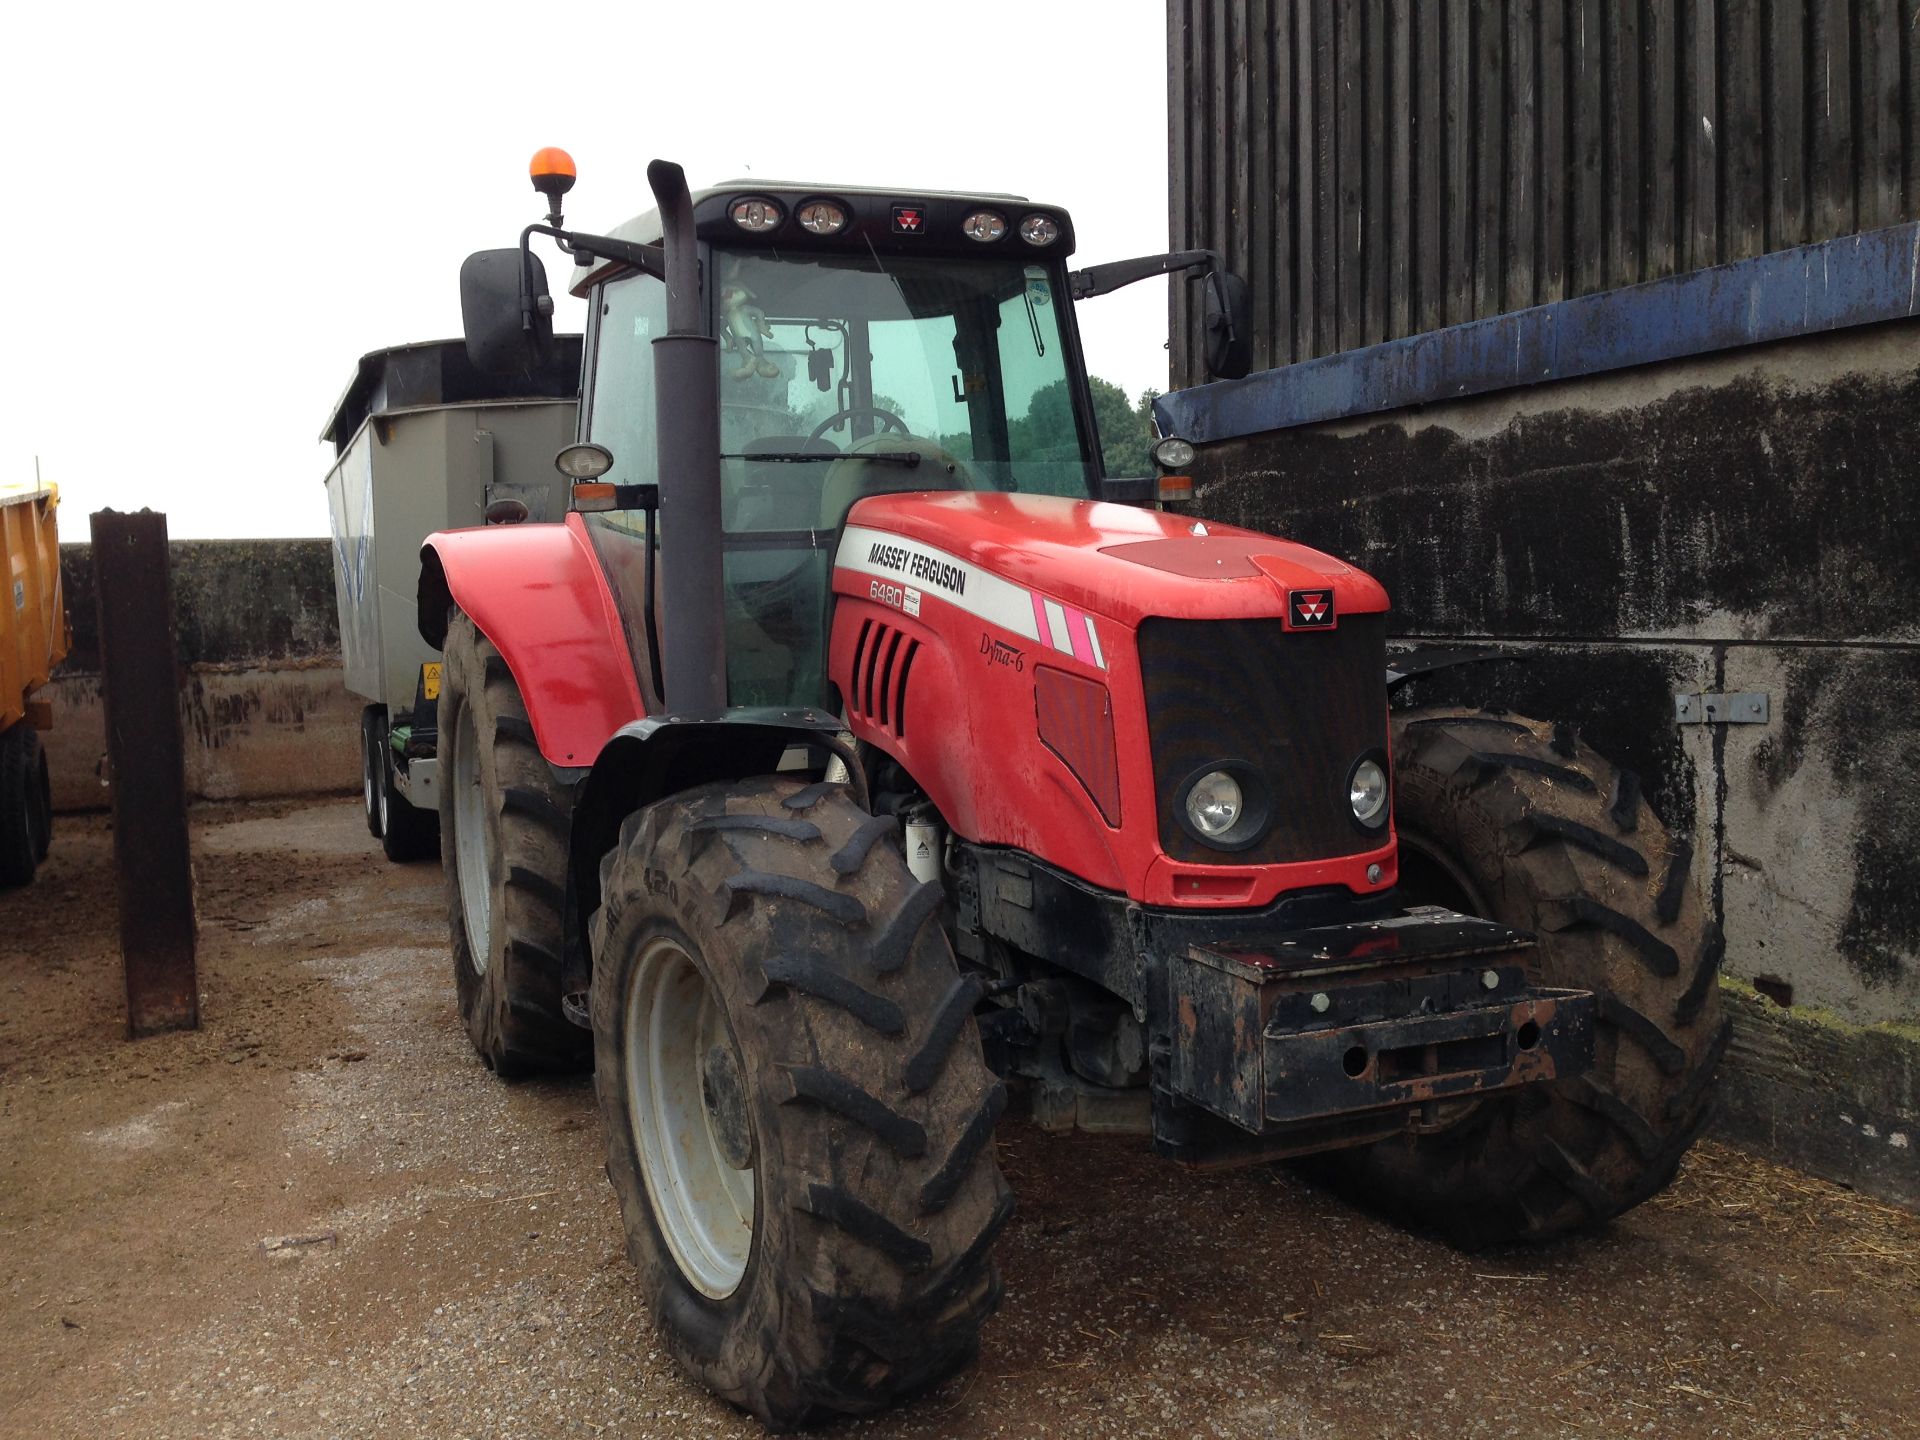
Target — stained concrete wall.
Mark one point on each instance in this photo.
(262, 705)
(1745, 521)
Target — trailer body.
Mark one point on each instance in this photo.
(34, 639)
(36, 631)
(423, 442)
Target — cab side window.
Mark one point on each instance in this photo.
(633, 311)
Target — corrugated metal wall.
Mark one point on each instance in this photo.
(1376, 168)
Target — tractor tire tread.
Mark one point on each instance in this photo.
(924, 1067)
(512, 1005)
(938, 1190)
(847, 909)
(538, 807)
(1673, 889)
(811, 977)
(1526, 817)
(1578, 910)
(1596, 1095)
(890, 951)
(1541, 827)
(884, 1198)
(1623, 804)
(852, 855)
(808, 796)
(817, 1085)
(544, 888)
(1667, 1053)
(1536, 765)
(1706, 975)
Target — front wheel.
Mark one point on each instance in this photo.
(799, 1120)
(1519, 822)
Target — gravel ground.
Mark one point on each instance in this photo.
(318, 1215)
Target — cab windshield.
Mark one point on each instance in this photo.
(959, 363)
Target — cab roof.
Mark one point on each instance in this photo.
(871, 224)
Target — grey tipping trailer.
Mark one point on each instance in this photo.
(423, 442)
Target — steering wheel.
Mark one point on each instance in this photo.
(888, 420)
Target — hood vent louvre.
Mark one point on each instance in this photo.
(877, 689)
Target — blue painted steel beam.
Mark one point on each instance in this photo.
(1855, 280)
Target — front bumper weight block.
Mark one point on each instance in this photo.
(1374, 1016)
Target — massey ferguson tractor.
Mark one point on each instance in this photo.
(856, 752)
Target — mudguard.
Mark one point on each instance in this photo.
(537, 592)
(652, 758)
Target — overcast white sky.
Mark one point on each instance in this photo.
(215, 210)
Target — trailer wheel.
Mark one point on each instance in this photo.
(1519, 822)
(503, 823)
(407, 832)
(22, 786)
(373, 740)
(44, 841)
(799, 1119)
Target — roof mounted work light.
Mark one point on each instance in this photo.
(984, 225)
(1039, 230)
(821, 217)
(757, 216)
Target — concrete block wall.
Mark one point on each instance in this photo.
(263, 708)
(1742, 521)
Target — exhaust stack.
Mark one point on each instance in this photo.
(686, 371)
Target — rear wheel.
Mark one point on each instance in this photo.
(22, 788)
(799, 1120)
(503, 820)
(1517, 821)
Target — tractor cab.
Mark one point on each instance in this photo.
(869, 343)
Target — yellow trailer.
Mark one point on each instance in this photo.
(34, 636)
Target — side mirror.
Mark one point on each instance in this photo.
(506, 312)
(1229, 325)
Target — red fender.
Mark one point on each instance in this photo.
(537, 592)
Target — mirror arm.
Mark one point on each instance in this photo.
(585, 249)
(1104, 279)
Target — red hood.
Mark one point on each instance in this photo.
(1119, 560)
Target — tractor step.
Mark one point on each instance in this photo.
(1387, 1014)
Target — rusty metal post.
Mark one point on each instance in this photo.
(141, 696)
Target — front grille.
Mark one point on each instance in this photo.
(1298, 706)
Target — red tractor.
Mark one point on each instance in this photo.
(856, 750)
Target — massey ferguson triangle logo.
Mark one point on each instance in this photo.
(1310, 609)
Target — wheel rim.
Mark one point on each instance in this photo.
(473, 870)
(367, 787)
(676, 1034)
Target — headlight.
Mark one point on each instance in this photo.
(821, 217)
(984, 226)
(1173, 453)
(757, 216)
(584, 461)
(1367, 792)
(1214, 804)
(1039, 230)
